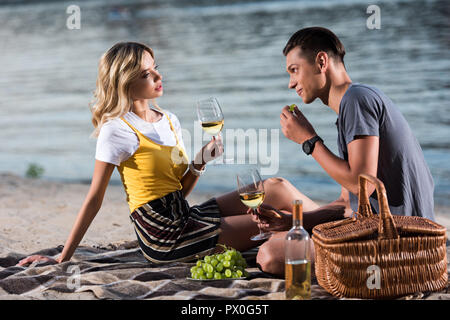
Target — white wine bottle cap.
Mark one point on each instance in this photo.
(297, 212)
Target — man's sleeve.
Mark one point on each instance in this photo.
(361, 111)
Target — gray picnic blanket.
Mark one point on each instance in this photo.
(119, 271)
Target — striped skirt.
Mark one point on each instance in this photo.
(168, 229)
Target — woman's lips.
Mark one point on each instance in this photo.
(159, 88)
(299, 91)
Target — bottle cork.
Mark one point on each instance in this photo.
(297, 212)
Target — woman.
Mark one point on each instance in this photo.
(145, 145)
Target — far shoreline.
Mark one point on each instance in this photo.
(440, 209)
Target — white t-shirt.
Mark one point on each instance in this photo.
(117, 141)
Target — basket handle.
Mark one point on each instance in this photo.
(386, 226)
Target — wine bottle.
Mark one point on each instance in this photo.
(297, 258)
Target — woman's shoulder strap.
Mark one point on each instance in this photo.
(133, 128)
(170, 122)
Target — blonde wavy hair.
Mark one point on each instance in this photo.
(117, 69)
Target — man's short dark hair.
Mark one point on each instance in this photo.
(313, 40)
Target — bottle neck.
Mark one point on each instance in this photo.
(297, 223)
(297, 214)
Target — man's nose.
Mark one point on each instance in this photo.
(292, 84)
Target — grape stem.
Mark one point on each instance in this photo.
(225, 248)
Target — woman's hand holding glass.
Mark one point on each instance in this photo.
(209, 152)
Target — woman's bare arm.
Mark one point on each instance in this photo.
(189, 180)
(91, 206)
(211, 150)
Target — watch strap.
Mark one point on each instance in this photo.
(312, 143)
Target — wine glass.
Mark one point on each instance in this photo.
(251, 193)
(211, 117)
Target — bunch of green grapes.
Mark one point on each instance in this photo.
(226, 265)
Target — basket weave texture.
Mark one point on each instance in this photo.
(380, 256)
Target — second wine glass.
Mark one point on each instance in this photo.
(251, 192)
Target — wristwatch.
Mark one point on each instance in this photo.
(308, 145)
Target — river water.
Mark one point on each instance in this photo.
(228, 49)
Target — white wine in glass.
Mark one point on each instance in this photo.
(252, 199)
(251, 193)
(210, 115)
(212, 127)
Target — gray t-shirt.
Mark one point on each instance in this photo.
(366, 111)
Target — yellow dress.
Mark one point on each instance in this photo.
(153, 171)
(167, 228)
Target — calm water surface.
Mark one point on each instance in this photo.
(227, 49)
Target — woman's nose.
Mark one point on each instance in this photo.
(157, 76)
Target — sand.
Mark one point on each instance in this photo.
(37, 214)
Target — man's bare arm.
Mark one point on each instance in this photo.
(362, 158)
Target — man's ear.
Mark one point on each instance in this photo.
(322, 61)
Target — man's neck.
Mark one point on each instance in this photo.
(339, 83)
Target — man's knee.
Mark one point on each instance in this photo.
(270, 261)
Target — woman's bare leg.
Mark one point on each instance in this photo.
(236, 232)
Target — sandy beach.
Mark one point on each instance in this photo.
(39, 214)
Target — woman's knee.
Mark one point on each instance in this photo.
(276, 182)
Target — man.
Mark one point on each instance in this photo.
(373, 137)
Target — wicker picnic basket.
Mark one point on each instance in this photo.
(380, 256)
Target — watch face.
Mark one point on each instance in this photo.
(306, 147)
